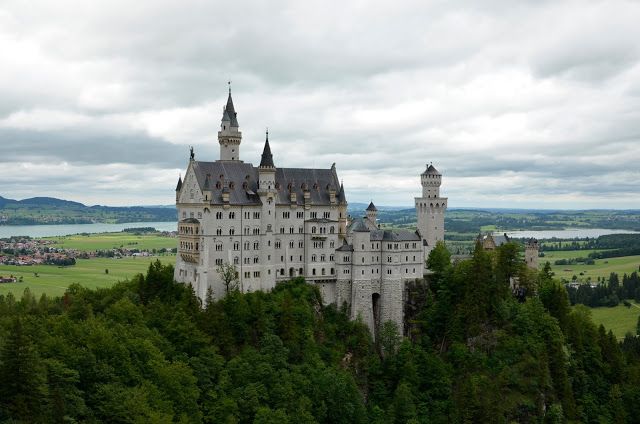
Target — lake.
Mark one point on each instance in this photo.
(568, 233)
(67, 229)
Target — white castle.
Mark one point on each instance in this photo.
(275, 223)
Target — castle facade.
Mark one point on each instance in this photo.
(273, 224)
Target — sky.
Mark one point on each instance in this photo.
(519, 104)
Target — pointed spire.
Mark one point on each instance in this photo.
(230, 111)
(372, 207)
(267, 158)
(341, 192)
(179, 186)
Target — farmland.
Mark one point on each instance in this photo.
(601, 267)
(53, 280)
(619, 319)
(104, 241)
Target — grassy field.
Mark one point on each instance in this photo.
(601, 268)
(106, 241)
(618, 319)
(53, 280)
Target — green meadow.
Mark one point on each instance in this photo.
(104, 241)
(601, 268)
(54, 280)
(619, 319)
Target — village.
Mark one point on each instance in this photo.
(26, 251)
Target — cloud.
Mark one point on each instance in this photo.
(517, 103)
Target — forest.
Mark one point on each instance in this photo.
(147, 350)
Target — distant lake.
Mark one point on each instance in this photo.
(568, 233)
(67, 229)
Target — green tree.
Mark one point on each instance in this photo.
(22, 375)
(229, 275)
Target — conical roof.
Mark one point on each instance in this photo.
(179, 186)
(432, 170)
(372, 207)
(267, 158)
(229, 113)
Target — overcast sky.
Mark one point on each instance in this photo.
(529, 104)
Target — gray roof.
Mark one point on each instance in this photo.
(500, 240)
(431, 170)
(345, 248)
(341, 196)
(358, 225)
(267, 158)
(372, 207)
(241, 180)
(394, 235)
(179, 186)
(229, 113)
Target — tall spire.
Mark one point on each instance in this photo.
(267, 158)
(229, 113)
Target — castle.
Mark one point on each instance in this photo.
(273, 224)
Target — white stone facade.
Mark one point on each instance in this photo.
(274, 224)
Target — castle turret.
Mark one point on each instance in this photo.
(531, 253)
(229, 136)
(342, 213)
(267, 192)
(430, 208)
(178, 188)
(372, 215)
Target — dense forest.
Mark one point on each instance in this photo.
(146, 350)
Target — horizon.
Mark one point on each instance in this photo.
(514, 112)
(396, 206)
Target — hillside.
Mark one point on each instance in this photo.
(145, 350)
(49, 210)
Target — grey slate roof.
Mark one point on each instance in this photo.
(499, 240)
(345, 248)
(267, 158)
(372, 207)
(358, 226)
(241, 180)
(431, 170)
(229, 113)
(179, 186)
(341, 197)
(394, 235)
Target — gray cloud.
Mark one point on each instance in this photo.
(518, 103)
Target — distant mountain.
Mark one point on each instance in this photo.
(49, 210)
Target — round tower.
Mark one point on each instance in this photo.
(229, 136)
(372, 215)
(430, 208)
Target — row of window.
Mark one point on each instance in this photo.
(292, 272)
(316, 244)
(187, 245)
(187, 229)
(256, 215)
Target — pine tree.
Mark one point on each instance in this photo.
(22, 375)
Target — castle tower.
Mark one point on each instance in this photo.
(372, 215)
(229, 137)
(342, 211)
(267, 192)
(430, 209)
(531, 253)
